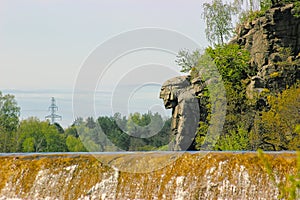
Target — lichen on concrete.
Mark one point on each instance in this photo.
(202, 175)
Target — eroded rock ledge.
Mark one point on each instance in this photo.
(273, 41)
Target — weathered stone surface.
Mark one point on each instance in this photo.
(274, 43)
(199, 175)
(179, 94)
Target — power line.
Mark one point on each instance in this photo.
(53, 108)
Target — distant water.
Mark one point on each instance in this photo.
(37, 102)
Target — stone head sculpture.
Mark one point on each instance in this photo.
(179, 94)
(171, 89)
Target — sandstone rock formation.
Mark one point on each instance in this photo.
(180, 95)
(273, 41)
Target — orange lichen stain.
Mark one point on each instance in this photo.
(144, 175)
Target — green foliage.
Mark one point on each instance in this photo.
(250, 123)
(232, 62)
(278, 128)
(148, 131)
(74, 144)
(250, 10)
(28, 145)
(201, 135)
(113, 130)
(284, 53)
(218, 18)
(138, 132)
(265, 5)
(71, 131)
(90, 123)
(288, 189)
(59, 128)
(162, 137)
(37, 136)
(211, 126)
(94, 140)
(9, 112)
(145, 125)
(5, 140)
(251, 16)
(9, 121)
(283, 60)
(187, 60)
(163, 148)
(296, 9)
(234, 141)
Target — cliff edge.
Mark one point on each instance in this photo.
(273, 44)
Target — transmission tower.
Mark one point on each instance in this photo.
(53, 108)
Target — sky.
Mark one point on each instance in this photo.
(46, 46)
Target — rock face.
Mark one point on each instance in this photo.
(179, 95)
(273, 41)
(190, 176)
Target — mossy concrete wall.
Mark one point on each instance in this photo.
(201, 175)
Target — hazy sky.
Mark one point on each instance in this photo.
(43, 43)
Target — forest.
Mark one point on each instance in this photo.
(138, 132)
